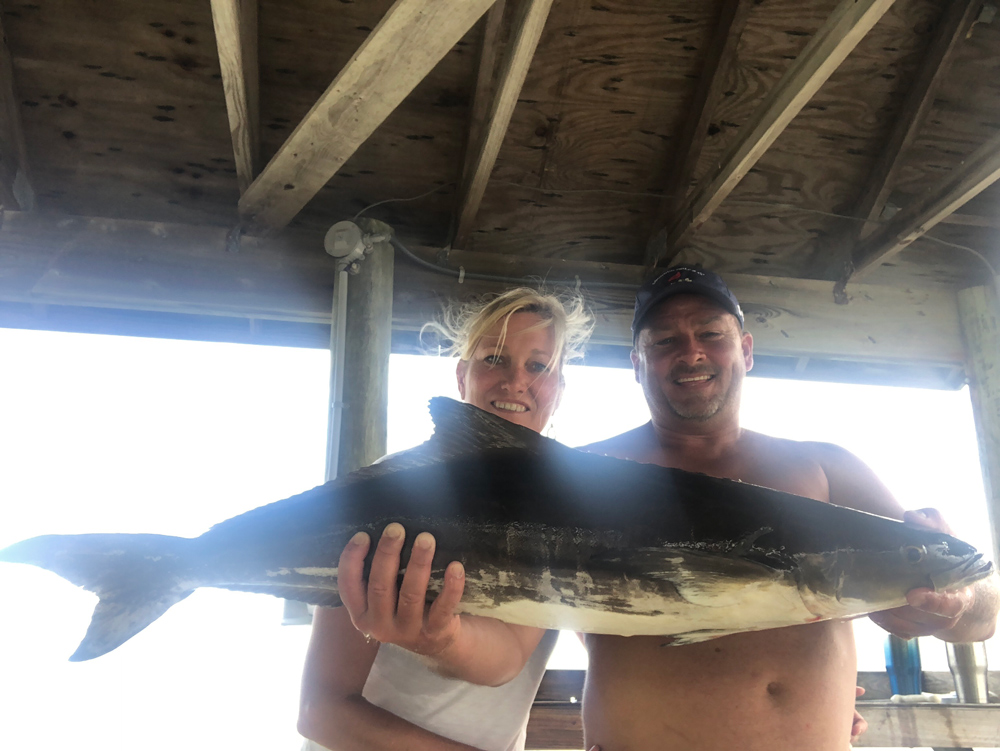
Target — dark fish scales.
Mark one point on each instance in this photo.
(549, 536)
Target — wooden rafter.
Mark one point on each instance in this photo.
(980, 170)
(485, 73)
(972, 220)
(720, 57)
(397, 55)
(236, 37)
(846, 26)
(952, 28)
(525, 33)
(16, 192)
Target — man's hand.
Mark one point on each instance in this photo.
(927, 612)
(859, 724)
(402, 618)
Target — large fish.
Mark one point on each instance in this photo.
(549, 536)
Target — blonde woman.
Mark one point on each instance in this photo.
(359, 695)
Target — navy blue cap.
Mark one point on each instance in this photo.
(682, 280)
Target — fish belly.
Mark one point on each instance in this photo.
(687, 604)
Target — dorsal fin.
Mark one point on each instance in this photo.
(461, 428)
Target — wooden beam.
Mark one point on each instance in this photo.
(971, 220)
(953, 26)
(407, 43)
(558, 726)
(16, 192)
(938, 725)
(845, 27)
(526, 31)
(180, 268)
(719, 59)
(976, 173)
(483, 95)
(979, 313)
(236, 38)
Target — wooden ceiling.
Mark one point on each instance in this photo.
(754, 137)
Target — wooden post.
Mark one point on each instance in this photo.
(979, 313)
(366, 356)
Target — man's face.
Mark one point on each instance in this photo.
(690, 358)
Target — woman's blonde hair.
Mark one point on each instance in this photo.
(465, 325)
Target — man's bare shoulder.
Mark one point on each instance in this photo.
(850, 481)
(625, 445)
(819, 452)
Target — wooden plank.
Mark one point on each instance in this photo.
(483, 94)
(939, 725)
(559, 726)
(694, 130)
(236, 37)
(976, 173)
(971, 220)
(408, 42)
(526, 32)
(16, 191)
(953, 26)
(554, 726)
(188, 269)
(979, 313)
(846, 26)
(956, 20)
(787, 317)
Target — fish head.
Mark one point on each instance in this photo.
(849, 582)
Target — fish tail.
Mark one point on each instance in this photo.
(136, 577)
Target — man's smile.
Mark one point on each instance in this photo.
(695, 378)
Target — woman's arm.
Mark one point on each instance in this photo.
(332, 711)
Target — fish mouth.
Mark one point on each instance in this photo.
(970, 570)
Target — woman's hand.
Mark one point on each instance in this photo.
(404, 617)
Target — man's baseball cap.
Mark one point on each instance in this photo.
(682, 280)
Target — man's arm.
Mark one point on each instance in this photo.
(333, 712)
(968, 614)
(479, 650)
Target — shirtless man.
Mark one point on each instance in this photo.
(781, 690)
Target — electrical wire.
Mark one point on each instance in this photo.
(552, 192)
(974, 252)
(462, 274)
(401, 200)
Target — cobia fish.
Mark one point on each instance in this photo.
(549, 537)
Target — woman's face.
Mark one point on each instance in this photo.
(513, 381)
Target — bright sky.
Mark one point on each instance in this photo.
(109, 434)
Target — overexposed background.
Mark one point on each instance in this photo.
(117, 434)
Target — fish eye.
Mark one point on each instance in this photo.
(914, 553)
